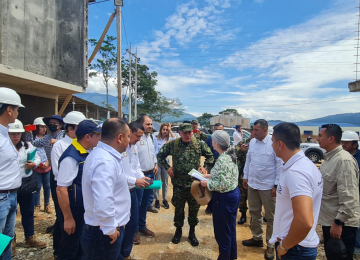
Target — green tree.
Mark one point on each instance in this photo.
(204, 119)
(105, 67)
(164, 106)
(231, 110)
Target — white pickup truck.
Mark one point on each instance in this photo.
(313, 151)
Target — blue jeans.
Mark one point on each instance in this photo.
(298, 253)
(26, 202)
(8, 206)
(143, 196)
(151, 197)
(131, 226)
(96, 245)
(44, 179)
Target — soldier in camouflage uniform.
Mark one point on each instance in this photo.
(199, 134)
(241, 152)
(186, 154)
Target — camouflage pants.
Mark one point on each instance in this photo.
(181, 195)
(242, 205)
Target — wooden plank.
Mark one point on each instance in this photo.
(64, 105)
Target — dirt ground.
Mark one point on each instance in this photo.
(159, 247)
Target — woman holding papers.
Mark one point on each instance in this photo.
(26, 199)
(223, 182)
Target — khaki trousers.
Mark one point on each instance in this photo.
(257, 199)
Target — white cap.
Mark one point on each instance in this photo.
(39, 121)
(16, 127)
(349, 135)
(270, 130)
(74, 118)
(10, 97)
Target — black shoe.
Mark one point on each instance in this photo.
(152, 209)
(253, 243)
(242, 219)
(192, 237)
(166, 204)
(157, 204)
(177, 236)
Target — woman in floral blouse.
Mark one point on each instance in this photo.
(223, 182)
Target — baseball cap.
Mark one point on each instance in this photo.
(194, 122)
(185, 127)
(88, 126)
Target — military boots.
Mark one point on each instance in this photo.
(177, 236)
(192, 237)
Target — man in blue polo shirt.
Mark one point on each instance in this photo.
(69, 190)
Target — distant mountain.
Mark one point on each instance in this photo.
(349, 118)
(185, 116)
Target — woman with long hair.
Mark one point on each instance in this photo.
(25, 196)
(165, 135)
(42, 172)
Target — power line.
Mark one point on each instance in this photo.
(122, 17)
(94, 3)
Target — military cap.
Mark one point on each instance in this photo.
(194, 121)
(185, 127)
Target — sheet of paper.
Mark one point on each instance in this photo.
(197, 175)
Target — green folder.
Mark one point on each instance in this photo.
(30, 157)
(4, 241)
(156, 185)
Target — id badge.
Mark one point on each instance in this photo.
(142, 142)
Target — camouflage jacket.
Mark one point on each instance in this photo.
(241, 158)
(202, 136)
(184, 159)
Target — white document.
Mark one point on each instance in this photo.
(197, 175)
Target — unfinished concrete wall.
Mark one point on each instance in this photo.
(45, 37)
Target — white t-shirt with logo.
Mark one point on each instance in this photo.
(299, 177)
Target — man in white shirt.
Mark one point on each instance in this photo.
(135, 177)
(71, 120)
(148, 164)
(298, 199)
(238, 134)
(71, 162)
(10, 176)
(261, 176)
(106, 194)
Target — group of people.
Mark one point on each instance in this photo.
(99, 177)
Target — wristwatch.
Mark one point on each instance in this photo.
(283, 248)
(338, 222)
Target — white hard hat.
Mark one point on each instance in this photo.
(270, 130)
(16, 127)
(10, 97)
(39, 121)
(74, 118)
(349, 135)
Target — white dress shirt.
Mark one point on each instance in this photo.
(237, 137)
(131, 165)
(105, 190)
(23, 159)
(68, 171)
(10, 176)
(298, 177)
(262, 167)
(147, 155)
(56, 152)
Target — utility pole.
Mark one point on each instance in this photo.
(119, 4)
(130, 87)
(136, 61)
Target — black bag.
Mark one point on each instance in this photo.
(28, 185)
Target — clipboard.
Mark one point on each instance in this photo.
(30, 157)
(4, 241)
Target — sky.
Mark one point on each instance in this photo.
(272, 59)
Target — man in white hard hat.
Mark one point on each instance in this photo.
(10, 176)
(71, 121)
(349, 142)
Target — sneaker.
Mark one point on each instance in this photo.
(152, 209)
(157, 204)
(33, 242)
(269, 253)
(253, 243)
(166, 204)
(147, 232)
(136, 239)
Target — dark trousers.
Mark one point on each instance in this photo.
(348, 237)
(131, 226)
(225, 207)
(298, 253)
(70, 244)
(57, 226)
(96, 245)
(26, 202)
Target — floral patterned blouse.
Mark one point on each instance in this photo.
(224, 175)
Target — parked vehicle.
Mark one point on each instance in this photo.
(313, 151)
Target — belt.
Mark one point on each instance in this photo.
(8, 191)
(88, 227)
(148, 172)
(131, 190)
